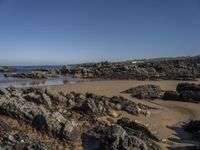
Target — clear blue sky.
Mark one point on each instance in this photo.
(36, 32)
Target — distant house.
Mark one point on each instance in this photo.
(135, 62)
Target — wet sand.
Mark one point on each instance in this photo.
(167, 119)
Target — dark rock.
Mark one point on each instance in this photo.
(189, 92)
(40, 117)
(187, 87)
(144, 129)
(21, 142)
(194, 128)
(192, 96)
(171, 95)
(145, 91)
(65, 70)
(117, 139)
(183, 68)
(7, 69)
(92, 106)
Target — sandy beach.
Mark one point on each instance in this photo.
(166, 120)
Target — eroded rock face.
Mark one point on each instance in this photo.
(184, 92)
(67, 116)
(122, 135)
(143, 128)
(17, 141)
(42, 118)
(35, 74)
(7, 69)
(148, 91)
(185, 68)
(187, 87)
(117, 138)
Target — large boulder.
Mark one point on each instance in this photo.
(39, 116)
(148, 91)
(20, 141)
(122, 135)
(187, 87)
(117, 138)
(94, 107)
(140, 127)
(184, 92)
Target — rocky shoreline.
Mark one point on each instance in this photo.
(70, 116)
(7, 69)
(181, 68)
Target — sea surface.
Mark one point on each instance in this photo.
(21, 82)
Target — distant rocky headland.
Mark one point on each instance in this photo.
(180, 68)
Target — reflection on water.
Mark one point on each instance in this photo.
(20, 83)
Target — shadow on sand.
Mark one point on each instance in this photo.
(183, 137)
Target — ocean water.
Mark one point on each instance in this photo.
(20, 82)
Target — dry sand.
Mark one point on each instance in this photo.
(167, 119)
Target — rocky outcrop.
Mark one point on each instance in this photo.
(148, 91)
(17, 141)
(64, 116)
(65, 69)
(7, 69)
(184, 92)
(124, 134)
(31, 110)
(33, 74)
(183, 68)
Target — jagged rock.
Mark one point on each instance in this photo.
(64, 116)
(184, 68)
(55, 97)
(7, 69)
(185, 92)
(187, 87)
(65, 69)
(117, 138)
(93, 106)
(125, 122)
(40, 117)
(120, 136)
(192, 96)
(21, 142)
(145, 91)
